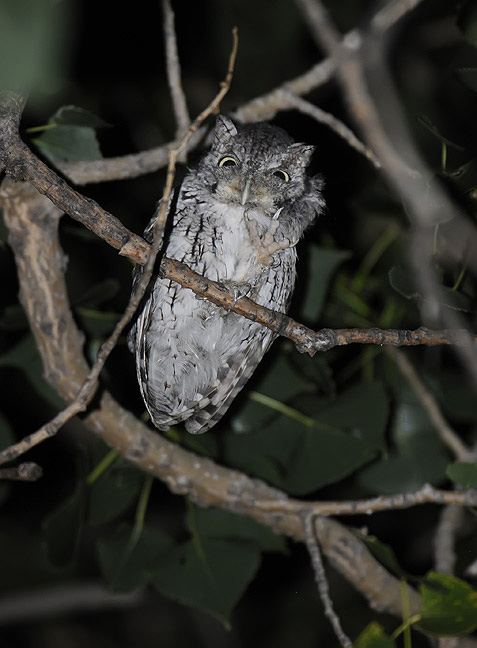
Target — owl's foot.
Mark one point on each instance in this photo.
(237, 289)
(268, 245)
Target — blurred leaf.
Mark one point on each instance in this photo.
(25, 356)
(449, 606)
(98, 293)
(302, 457)
(113, 493)
(217, 524)
(69, 143)
(404, 282)
(373, 636)
(95, 323)
(385, 554)
(76, 116)
(419, 456)
(70, 135)
(427, 123)
(457, 398)
(62, 528)
(323, 263)
(127, 564)
(462, 473)
(32, 35)
(468, 77)
(282, 382)
(208, 574)
(323, 456)
(467, 21)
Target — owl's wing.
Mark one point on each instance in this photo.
(232, 381)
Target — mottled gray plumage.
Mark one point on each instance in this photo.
(237, 220)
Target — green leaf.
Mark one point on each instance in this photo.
(113, 493)
(304, 456)
(419, 456)
(282, 381)
(326, 456)
(127, 564)
(385, 554)
(322, 263)
(449, 606)
(208, 574)
(76, 116)
(427, 123)
(69, 144)
(404, 282)
(216, 524)
(373, 636)
(70, 135)
(464, 474)
(62, 528)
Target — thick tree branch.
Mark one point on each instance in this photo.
(33, 234)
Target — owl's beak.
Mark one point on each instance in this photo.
(245, 192)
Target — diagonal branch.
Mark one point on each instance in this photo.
(33, 225)
(21, 163)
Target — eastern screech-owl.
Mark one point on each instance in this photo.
(237, 220)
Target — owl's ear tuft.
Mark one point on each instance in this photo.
(299, 155)
(224, 129)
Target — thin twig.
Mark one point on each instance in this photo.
(425, 495)
(26, 471)
(424, 198)
(322, 581)
(173, 69)
(88, 388)
(263, 107)
(335, 124)
(429, 403)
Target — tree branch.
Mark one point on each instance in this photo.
(173, 69)
(264, 107)
(33, 224)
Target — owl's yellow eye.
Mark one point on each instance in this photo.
(283, 175)
(228, 161)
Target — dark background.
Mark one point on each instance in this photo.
(112, 64)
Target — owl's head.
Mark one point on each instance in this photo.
(255, 165)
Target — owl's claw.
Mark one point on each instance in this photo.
(238, 290)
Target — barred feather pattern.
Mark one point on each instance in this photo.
(237, 220)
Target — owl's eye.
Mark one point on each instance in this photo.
(228, 161)
(283, 175)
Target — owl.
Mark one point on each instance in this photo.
(236, 220)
